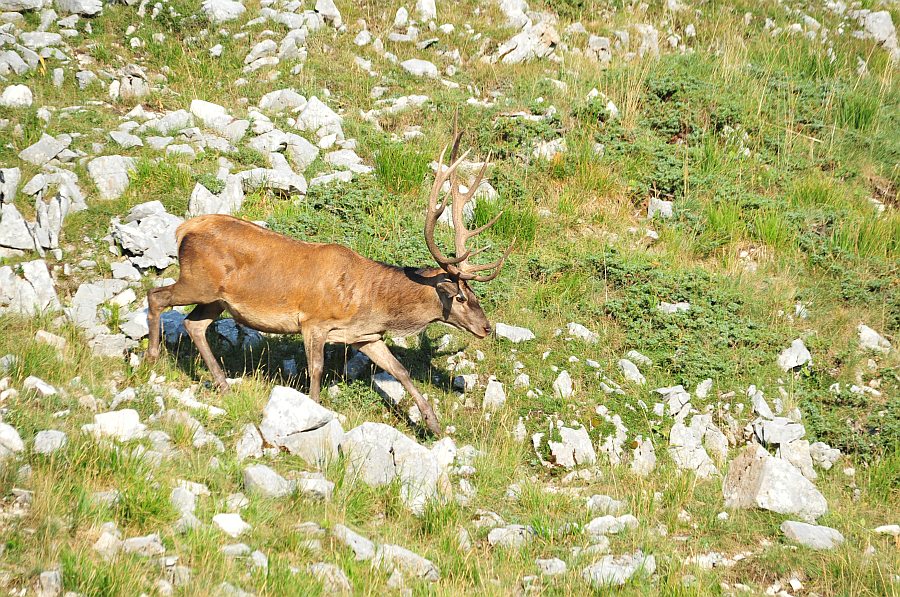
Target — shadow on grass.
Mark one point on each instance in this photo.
(266, 359)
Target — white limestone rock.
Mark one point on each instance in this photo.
(291, 420)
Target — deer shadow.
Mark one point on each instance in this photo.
(242, 351)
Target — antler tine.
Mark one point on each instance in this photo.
(433, 211)
(496, 265)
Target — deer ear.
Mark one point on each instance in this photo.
(447, 288)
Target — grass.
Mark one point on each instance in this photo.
(770, 150)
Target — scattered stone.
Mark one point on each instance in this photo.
(10, 441)
(49, 441)
(512, 333)
(122, 425)
(812, 536)
(293, 421)
(16, 96)
(334, 579)
(393, 557)
(869, 339)
(261, 480)
(231, 524)
(513, 536)
(756, 479)
(111, 174)
(147, 546)
(562, 386)
(795, 356)
(551, 567)
(494, 396)
(574, 449)
(631, 372)
(617, 570)
(362, 547)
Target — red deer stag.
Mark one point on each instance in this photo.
(327, 292)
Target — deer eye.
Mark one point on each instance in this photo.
(460, 298)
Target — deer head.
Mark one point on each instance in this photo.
(461, 306)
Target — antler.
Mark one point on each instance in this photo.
(459, 266)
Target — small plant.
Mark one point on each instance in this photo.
(401, 168)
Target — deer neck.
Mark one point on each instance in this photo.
(414, 299)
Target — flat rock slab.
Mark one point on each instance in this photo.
(811, 535)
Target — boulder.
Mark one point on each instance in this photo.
(869, 339)
(303, 427)
(222, 11)
(757, 479)
(617, 570)
(393, 557)
(49, 441)
(574, 449)
(812, 536)
(111, 174)
(796, 355)
(513, 333)
(261, 480)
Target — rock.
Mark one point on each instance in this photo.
(16, 96)
(203, 202)
(393, 557)
(108, 345)
(271, 178)
(329, 12)
(880, 27)
(49, 441)
(262, 480)
(10, 442)
(548, 150)
(494, 396)
(812, 536)
(617, 570)
(184, 501)
(512, 333)
(562, 386)
(425, 10)
(377, 454)
(576, 330)
(222, 11)
(231, 524)
(823, 455)
(147, 546)
(599, 49)
(282, 100)
(50, 583)
(574, 449)
(513, 536)
(661, 208)
(551, 567)
(122, 425)
(420, 68)
(14, 231)
(756, 479)
(334, 580)
(9, 184)
(687, 451)
(796, 355)
(604, 504)
(777, 431)
(148, 234)
(250, 444)
(609, 524)
(644, 457)
(302, 426)
(319, 118)
(631, 372)
(30, 294)
(315, 486)
(85, 8)
(109, 544)
(362, 547)
(111, 174)
(673, 308)
(889, 529)
(45, 149)
(869, 339)
(533, 41)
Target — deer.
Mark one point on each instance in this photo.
(328, 293)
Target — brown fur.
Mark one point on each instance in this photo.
(327, 292)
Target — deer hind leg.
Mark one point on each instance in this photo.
(314, 345)
(159, 299)
(381, 355)
(196, 324)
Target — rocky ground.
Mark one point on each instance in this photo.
(694, 385)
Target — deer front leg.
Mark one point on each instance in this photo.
(314, 345)
(381, 355)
